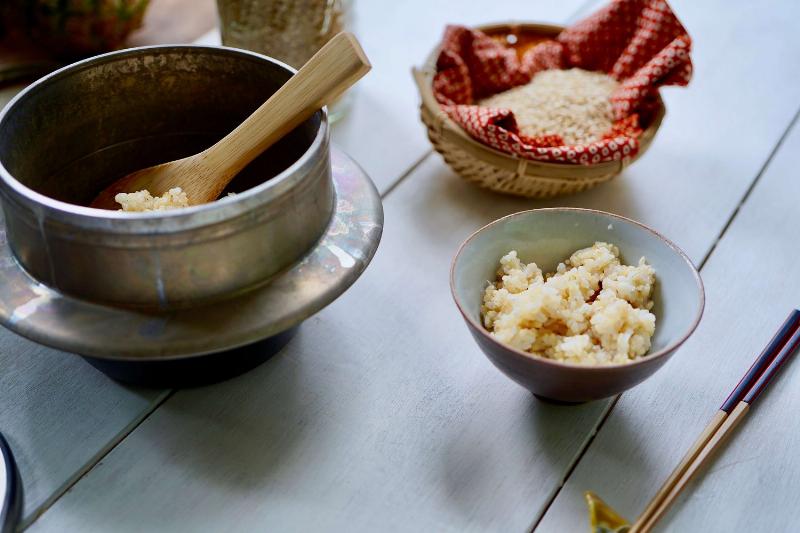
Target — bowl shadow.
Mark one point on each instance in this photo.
(553, 438)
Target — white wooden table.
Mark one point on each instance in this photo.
(383, 415)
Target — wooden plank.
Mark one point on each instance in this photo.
(342, 434)
(89, 441)
(59, 415)
(381, 415)
(644, 439)
(399, 414)
(754, 484)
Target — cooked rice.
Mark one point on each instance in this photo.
(144, 201)
(592, 310)
(574, 104)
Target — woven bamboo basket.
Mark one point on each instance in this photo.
(505, 173)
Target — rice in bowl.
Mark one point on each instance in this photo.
(592, 310)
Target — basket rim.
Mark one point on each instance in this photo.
(434, 117)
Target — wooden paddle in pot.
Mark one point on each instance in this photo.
(203, 177)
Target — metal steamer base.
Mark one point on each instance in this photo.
(210, 343)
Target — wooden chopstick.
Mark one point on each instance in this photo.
(727, 427)
(724, 420)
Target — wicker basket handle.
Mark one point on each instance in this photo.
(425, 90)
(444, 124)
(428, 100)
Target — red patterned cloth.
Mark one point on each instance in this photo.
(640, 43)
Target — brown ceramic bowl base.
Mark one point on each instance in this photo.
(194, 371)
(553, 401)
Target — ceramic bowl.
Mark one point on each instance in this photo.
(547, 237)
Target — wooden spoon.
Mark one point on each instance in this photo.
(203, 177)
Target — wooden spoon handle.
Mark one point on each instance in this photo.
(337, 66)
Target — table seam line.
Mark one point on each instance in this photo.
(405, 175)
(574, 464)
(746, 195)
(94, 461)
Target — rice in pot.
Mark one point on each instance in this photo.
(142, 201)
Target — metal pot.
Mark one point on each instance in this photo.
(72, 133)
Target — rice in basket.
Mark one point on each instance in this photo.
(573, 104)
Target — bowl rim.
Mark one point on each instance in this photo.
(647, 358)
(187, 217)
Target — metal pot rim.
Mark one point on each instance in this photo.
(49, 317)
(164, 221)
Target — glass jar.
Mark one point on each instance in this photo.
(289, 30)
